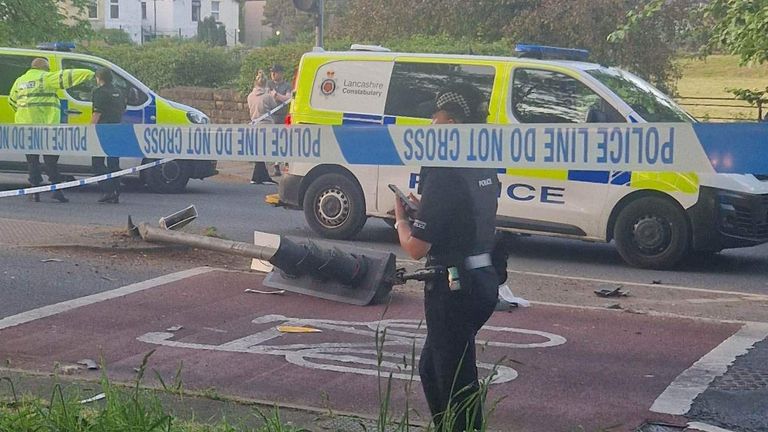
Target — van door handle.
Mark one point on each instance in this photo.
(74, 112)
(153, 118)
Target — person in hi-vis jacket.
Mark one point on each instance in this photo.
(33, 99)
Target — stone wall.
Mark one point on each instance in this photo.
(223, 106)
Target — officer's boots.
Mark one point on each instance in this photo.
(59, 196)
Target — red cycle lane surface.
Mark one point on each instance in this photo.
(559, 368)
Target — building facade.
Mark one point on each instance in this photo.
(147, 19)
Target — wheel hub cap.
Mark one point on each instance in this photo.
(332, 208)
(652, 234)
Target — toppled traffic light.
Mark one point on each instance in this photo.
(346, 274)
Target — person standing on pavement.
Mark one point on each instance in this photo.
(261, 101)
(108, 108)
(454, 228)
(33, 99)
(278, 83)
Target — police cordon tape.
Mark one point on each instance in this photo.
(700, 147)
(83, 182)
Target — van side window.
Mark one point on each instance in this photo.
(542, 96)
(414, 86)
(82, 92)
(12, 67)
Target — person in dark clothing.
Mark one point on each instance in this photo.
(108, 108)
(454, 228)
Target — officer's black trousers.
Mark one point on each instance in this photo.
(447, 366)
(51, 169)
(113, 164)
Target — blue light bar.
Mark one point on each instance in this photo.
(57, 46)
(551, 53)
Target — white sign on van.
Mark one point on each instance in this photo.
(352, 86)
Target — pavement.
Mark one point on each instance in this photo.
(559, 368)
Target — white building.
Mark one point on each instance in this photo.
(143, 19)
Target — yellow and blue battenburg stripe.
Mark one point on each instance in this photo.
(661, 181)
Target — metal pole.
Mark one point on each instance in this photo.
(155, 7)
(320, 23)
(158, 235)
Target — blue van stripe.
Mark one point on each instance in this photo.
(621, 178)
(717, 141)
(119, 140)
(589, 176)
(366, 145)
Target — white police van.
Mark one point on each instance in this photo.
(655, 218)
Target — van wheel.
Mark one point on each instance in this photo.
(652, 232)
(334, 207)
(170, 177)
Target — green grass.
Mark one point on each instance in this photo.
(711, 77)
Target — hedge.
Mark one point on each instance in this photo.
(171, 63)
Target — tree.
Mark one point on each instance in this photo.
(211, 32)
(25, 22)
(367, 20)
(741, 28)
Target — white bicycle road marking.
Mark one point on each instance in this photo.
(357, 357)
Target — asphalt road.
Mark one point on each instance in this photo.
(236, 209)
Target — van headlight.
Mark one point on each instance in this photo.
(196, 117)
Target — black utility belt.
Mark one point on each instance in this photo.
(469, 263)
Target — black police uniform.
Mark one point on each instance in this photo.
(457, 216)
(110, 102)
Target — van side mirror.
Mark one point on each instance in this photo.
(596, 115)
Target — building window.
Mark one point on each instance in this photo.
(114, 9)
(93, 10)
(143, 10)
(215, 10)
(195, 10)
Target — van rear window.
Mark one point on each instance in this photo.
(12, 67)
(414, 86)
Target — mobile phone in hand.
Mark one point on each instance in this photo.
(410, 206)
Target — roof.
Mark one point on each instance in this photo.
(393, 55)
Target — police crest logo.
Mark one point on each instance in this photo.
(328, 86)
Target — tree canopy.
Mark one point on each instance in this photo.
(25, 22)
(741, 27)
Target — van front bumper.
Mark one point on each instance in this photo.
(200, 169)
(726, 219)
(289, 190)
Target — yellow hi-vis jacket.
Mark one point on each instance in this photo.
(33, 95)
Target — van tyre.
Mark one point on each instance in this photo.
(334, 207)
(652, 232)
(168, 178)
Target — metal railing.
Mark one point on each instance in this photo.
(715, 104)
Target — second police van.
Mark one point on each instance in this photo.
(654, 218)
(144, 106)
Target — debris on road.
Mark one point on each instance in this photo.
(279, 292)
(611, 292)
(297, 329)
(48, 260)
(174, 328)
(107, 278)
(89, 364)
(98, 397)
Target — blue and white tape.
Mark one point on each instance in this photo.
(702, 147)
(83, 182)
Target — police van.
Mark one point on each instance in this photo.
(144, 106)
(654, 218)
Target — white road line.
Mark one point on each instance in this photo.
(678, 397)
(674, 287)
(68, 305)
(703, 427)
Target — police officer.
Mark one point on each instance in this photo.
(108, 108)
(454, 229)
(33, 98)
